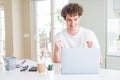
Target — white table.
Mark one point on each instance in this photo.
(105, 74)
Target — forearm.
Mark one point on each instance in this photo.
(57, 59)
(57, 56)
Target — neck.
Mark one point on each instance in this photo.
(73, 32)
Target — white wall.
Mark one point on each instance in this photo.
(27, 24)
(113, 61)
(18, 27)
(111, 13)
(8, 27)
(1, 43)
(1, 1)
(94, 17)
(14, 28)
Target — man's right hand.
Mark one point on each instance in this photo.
(57, 51)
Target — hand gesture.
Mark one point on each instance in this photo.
(58, 44)
(89, 44)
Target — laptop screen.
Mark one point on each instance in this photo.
(80, 60)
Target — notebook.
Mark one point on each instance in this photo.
(80, 60)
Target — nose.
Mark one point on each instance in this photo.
(72, 22)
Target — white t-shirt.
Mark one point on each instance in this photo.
(79, 40)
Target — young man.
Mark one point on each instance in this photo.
(74, 35)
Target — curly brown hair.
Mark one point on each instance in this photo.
(72, 9)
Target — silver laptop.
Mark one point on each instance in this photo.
(80, 60)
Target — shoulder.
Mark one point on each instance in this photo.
(61, 33)
(86, 31)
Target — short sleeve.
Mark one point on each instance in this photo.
(95, 40)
